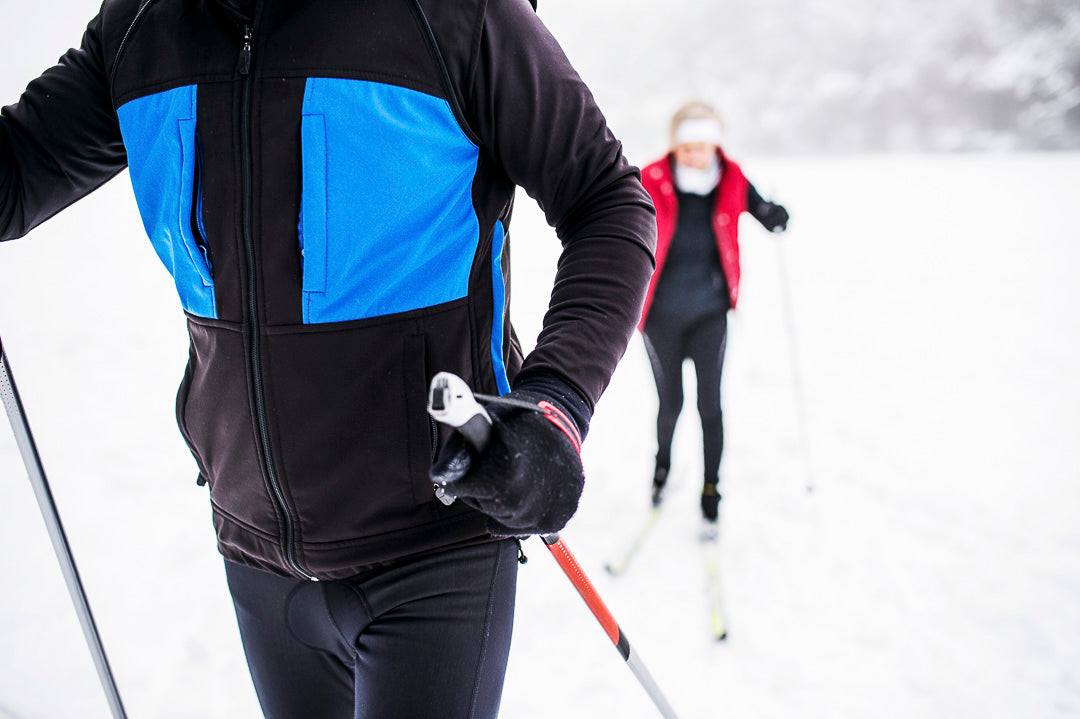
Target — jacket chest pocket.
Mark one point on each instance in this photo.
(164, 162)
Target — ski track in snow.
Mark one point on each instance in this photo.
(934, 571)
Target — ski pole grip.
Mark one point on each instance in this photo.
(451, 402)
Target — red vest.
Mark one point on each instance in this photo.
(659, 179)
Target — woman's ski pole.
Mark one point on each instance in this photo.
(796, 380)
(34, 468)
(451, 402)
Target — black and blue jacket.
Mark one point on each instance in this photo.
(330, 184)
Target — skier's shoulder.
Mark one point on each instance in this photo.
(116, 21)
(117, 16)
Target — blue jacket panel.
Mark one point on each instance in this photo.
(387, 223)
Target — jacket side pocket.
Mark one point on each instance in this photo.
(423, 432)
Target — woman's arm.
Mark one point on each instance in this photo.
(771, 215)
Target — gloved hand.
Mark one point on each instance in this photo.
(529, 479)
(773, 216)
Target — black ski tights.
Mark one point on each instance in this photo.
(669, 341)
(425, 638)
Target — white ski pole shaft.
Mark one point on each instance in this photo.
(23, 437)
(796, 378)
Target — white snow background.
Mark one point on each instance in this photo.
(920, 314)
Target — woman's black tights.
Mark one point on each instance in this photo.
(669, 341)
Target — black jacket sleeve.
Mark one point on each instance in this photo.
(754, 201)
(539, 122)
(772, 216)
(60, 141)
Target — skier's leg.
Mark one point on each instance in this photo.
(707, 345)
(292, 678)
(422, 638)
(666, 357)
(439, 636)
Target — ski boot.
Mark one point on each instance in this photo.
(710, 511)
(659, 482)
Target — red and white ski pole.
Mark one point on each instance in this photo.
(451, 402)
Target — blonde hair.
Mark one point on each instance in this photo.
(693, 110)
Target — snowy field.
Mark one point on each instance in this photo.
(933, 572)
(910, 348)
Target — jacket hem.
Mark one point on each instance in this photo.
(343, 559)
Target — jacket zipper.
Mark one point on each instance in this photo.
(123, 46)
(246, 84)
(433, 428)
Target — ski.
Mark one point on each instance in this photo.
(713, 594)
(619, 565)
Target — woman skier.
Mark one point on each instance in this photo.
(699, 194)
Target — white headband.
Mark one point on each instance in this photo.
(699, 129)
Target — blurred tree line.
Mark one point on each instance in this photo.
(837, 76)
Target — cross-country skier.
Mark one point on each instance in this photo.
(330, 185)
(699, 193)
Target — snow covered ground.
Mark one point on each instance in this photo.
(933, 572)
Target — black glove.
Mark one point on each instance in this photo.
(529, 479)
(773, 216)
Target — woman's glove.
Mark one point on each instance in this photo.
(772, 216)
(529, 478)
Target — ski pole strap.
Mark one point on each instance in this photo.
(566, 425)
(585, 588)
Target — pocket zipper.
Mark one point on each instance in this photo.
(198, 230)
(434, 426)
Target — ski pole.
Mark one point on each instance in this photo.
(796, 380)
(23, 437)
(585, 588)
(451, 402)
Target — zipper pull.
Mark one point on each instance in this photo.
(245, 52)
